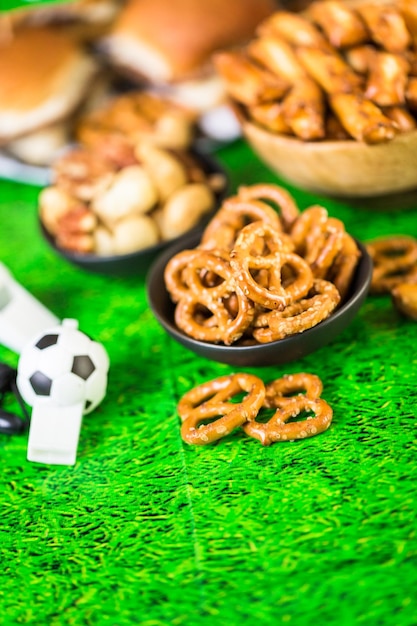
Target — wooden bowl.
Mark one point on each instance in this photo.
(338, 168)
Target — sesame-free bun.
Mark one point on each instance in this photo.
(164, 41)
(44, 76)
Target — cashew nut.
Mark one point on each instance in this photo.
(135, 233)
(165, 170)
(185, 208)
(173, 130)
(132, 191)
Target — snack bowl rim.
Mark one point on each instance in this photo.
(336, 168)
(278, 352)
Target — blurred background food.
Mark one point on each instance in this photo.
(60, 61)
(340, 79)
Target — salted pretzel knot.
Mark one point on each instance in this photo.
(395, 261)
(279, 428)
(291, 395)
(213, 400)
(233, 215)
(279, 196)
(203, 312)
(260, 247)
(291, 385)
(299, 316)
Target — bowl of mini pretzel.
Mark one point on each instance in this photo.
(130, 186)
(264, 284)
(327, 98)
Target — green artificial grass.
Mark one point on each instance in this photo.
(147, 530)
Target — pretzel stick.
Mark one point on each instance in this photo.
(386, 25)
(304, 110)
(362, 119)
(246, 82)
(342, 25)
(269, 115)
(329, 69)
(387, 79)
(294, 28)
(278, 56)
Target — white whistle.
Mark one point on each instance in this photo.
(62, 375)
(21, 315)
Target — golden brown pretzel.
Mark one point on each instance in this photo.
(260, 247)
(343, 268)
(279, 428)
(387, 80)
(293, 384)
(174, 274)
(404, 298)
(246, 81)
(298, 316)
(324, 244)
(341, 24)
(277, 55)
(280, 197)
(210, 400)
(363, 120)
(234, 214)
(395, 261)
(312, 218)
(203, 312)
(270, 116)
(329, 70)
(386, 26)
(303, 109)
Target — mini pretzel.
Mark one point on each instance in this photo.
(313, 217)
(279, 428)
(210, 400)
(325, 244)
(404, 298)
(174, 273)
(343, 269)
(203, 312)
(283, 200)
(395, 262)
(233, 215)
(246, 260)
(293, 384)
(299, 316)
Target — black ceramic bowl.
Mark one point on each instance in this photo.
(138, 262)
(274, 353)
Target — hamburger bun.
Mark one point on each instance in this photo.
(170, 42)
(45, 76)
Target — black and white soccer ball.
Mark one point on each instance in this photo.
(63, 366)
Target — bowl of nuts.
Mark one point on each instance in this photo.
(115, 216)
(327, 98)
(263, 284)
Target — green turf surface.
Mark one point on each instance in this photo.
(148, 530)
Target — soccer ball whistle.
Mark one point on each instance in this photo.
(62, 375)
